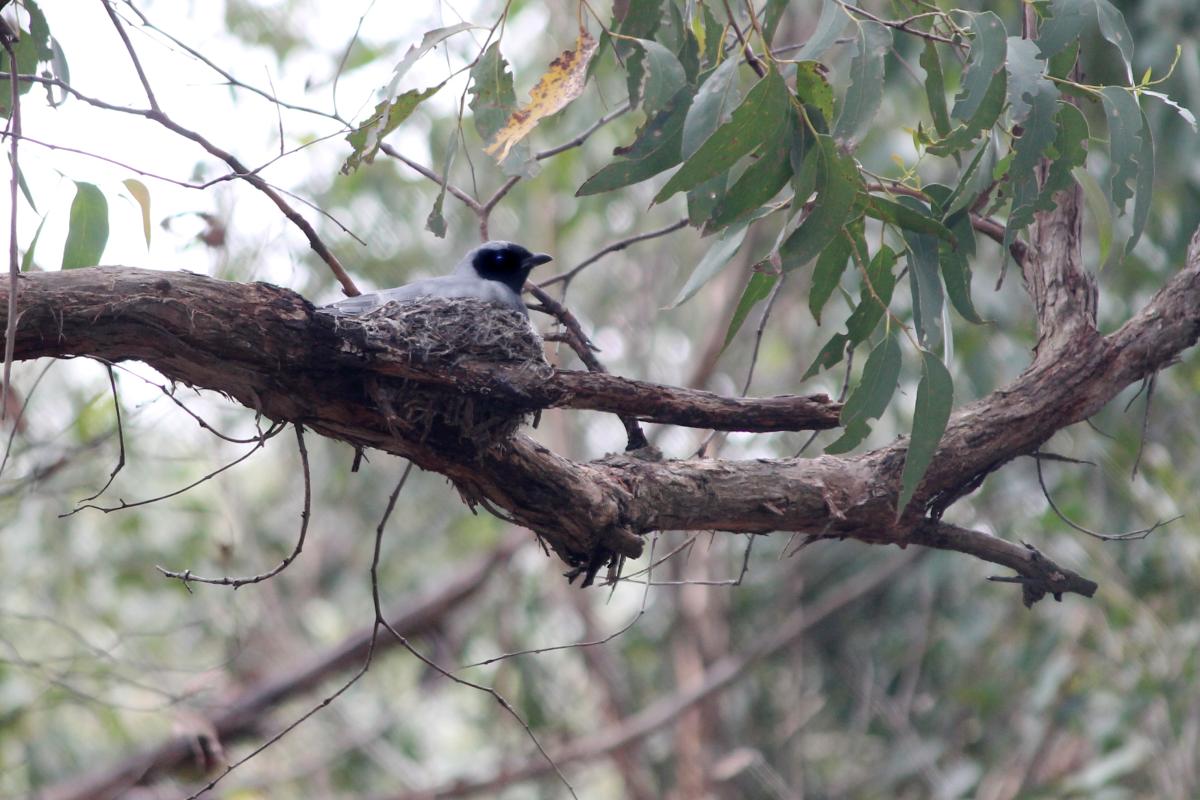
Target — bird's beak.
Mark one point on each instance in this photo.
(537, 259)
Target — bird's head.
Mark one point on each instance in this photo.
(505, 262)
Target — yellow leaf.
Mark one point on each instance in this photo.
(561, 84)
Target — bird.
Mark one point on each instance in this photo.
(494, 272)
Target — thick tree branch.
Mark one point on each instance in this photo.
(268, 349)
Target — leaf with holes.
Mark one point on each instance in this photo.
(866, 81)
(1125, 141)
(989, 50)
(367, 137)
(655, 148)
(493, 101)
(561, 84)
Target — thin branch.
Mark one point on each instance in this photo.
(583, 137)
(569, 275)
(133, 56)
(275, 428)
(666, 710)
(1137, 460)
(310, 233)
(583, 347)
(592, 643)
(187, 577)
(14, 265)
(112, 382)
(463, 197)
(903, 25)
(1140, 533)
(751, 59)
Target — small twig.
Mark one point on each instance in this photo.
(751, 59)
(1145, 424)
(1141, 533)
(137, 64)
(112, 382)
(569, 275)
(187, 577)
(903, 25)
(272, 431)
(459, 194)
(539, 650)
(7, 37)
(849, 356)
(583, 347)
(583, 137)
(16, 424)
(758, 336)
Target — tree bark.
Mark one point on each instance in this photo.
(270, 350)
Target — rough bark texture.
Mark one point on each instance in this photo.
(270, 350)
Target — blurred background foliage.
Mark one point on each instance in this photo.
(930, 682)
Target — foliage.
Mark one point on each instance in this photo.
(834, 181)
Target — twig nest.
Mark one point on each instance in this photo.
(440, 332)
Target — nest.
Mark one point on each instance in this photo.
(439, 332)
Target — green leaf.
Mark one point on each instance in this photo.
(21, 182)
(757, 290)
(1072, 18)
(979, 124)
(27, 258)
(664, 76)
(866, 76)
(87, 232)
(435, 223)
(774, 13)
(1124, 137)
(907, 217)
(640, 22)
(759, 183)
(755, 121)
(955, 261)
(655, 148)
(27, 61)
(366, 138)
(935, 398)
(713, 261)
(814, 91)
(838, 183)
(712, 106)
(1040, 132)
(875, 294)
(139, 192)
(1026, 77)
(832, 353)
(1068, 152)
(1145, 186)
(975, 180)
(829, 27)
(832, 263)
(493, 100)
(935, 88)
(871, 397)
(702, 201)
(924, 278)
(989, 48)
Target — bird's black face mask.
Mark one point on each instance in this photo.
(509, 264)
